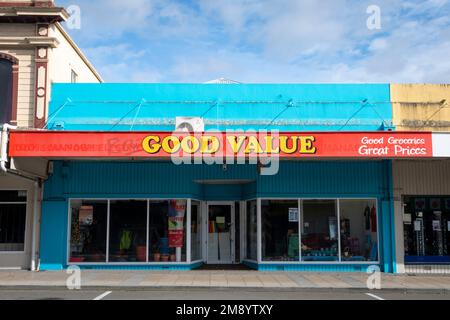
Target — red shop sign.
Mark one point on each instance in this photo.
(53, 144)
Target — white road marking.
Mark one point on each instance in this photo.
(100, 297)
(374, 296)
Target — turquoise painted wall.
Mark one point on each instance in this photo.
(287, 107)
(320, 179)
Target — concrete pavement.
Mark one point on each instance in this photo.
(191, 294)
(220, 279)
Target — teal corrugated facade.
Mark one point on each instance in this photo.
(324, 179)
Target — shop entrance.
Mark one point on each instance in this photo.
(221, 232)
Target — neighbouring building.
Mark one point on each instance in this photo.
(422, 187)
(117, 195)
(35, 52)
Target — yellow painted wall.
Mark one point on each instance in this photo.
(421, 107)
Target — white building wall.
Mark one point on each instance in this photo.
(66, 57)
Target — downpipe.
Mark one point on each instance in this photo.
(37, 182)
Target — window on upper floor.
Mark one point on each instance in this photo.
(6, 84)
(73, 77)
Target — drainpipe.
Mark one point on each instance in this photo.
(35, 225)
(30, 177)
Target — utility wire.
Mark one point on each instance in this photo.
(136, 114)
(123, 117)
(444, 104)
(52, 116)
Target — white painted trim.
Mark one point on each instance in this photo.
(242, 221)
(338, 216)
(300, 225)
(258, 231)
(12, 252)
(147, 235)
(108, 227)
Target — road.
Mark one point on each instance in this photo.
(216, 294)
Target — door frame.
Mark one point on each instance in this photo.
(232, 231)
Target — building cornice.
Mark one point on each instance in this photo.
(47, 42)
(33, 14)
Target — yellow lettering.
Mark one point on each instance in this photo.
(284, 144)
(269, 146)
(150, 147)
(210, 144)
(175, 144)
(236, 145)
(253, 145)
(306, 144)
(190, 144)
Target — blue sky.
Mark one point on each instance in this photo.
(252, 41)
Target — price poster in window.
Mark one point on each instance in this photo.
(177, 209)
(86, 215)
(293, 214)
(436, 225)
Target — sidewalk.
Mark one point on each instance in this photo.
(224, 279)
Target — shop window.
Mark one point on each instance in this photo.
(426, 225)
(128, 231)
(13, 208)
(319, 230)
(196, 232)
(280, 238)
(359, 240)
(88, 231)
(167, 231)
(251, 225)
(6, 82)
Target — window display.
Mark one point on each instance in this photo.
(128, 231)
(280, 240)
(319, 230)
(88, 231)
(358, 230)
(167, 236)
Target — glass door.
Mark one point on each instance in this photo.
(220, 240)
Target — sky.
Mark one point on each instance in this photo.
(265, 41)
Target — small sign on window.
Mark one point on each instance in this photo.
(293, 214)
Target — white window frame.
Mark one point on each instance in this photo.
(244, 239)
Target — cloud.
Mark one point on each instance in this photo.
(266, 40)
